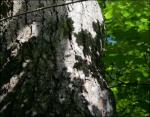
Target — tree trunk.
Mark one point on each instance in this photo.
(51, 60)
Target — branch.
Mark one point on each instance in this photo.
(42, 8)
(130, 84)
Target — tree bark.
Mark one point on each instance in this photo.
(51, 61)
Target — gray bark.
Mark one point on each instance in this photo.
(51, 61)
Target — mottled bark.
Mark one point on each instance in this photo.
(51, 61)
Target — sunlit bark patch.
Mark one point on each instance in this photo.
(9, 86)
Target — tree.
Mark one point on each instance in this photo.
(51, 60)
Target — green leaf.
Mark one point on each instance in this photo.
(108, 15)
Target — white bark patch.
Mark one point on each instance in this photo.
(65, 56)
(84, 14)
(9, 86)
(17, 4)
(24, 34)
(28, 32)
(104, 96)
(24, 64)
(81, 74)
(88, 59)
(92, 93)
(98, 99)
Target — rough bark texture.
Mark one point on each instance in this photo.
(51, 61)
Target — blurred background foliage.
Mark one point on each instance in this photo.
(127, 60)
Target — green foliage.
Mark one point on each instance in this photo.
(127, 58)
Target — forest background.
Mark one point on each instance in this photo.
(127, 59)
